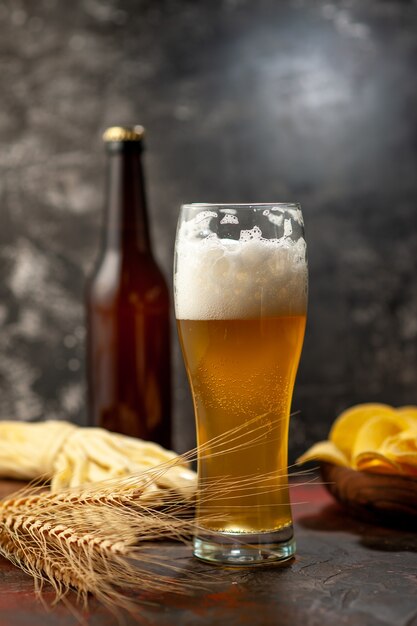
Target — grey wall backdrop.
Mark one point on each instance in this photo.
(260, 100)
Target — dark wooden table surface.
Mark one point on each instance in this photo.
(346, 573)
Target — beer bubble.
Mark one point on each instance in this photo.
(287, 228)
(253, 233)
(229, 219)
(204, 215)
(275, 219)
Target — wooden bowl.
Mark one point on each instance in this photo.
(380, 498)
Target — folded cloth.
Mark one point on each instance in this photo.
(371, 437)
(28, 450)
(70, 456)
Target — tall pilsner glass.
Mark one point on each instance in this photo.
(240, 300)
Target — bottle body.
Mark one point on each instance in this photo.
(128, 318)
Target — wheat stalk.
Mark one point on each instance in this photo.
(95, 539)
(94, 548)
(92, 539)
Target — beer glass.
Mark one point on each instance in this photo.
(240, 280)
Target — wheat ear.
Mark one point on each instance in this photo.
(94, 538)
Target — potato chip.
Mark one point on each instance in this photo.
(377, 464)
(324, 451)
(401, 448)
(410, 412)
(345, 429)
(372, 438)
(375, 431)
(408, 470)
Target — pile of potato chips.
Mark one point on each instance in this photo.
(371, 437)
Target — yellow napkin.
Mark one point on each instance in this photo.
(371, 437)
(70, 456)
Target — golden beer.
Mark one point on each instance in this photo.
(240, 300)
(239, 370)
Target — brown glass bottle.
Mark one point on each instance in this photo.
(128, 307)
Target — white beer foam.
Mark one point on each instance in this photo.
(230, 279)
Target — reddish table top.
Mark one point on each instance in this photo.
(346, 573)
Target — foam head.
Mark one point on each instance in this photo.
(249, 277)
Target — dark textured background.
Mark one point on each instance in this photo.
(260, 100)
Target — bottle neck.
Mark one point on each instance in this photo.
(127, 220)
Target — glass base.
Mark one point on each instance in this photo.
(243, 549)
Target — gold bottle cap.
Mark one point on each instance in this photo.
(124, 133)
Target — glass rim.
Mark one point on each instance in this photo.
(242, 205)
